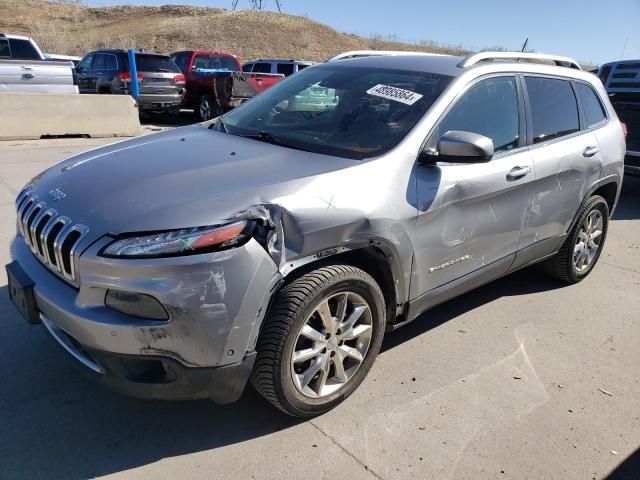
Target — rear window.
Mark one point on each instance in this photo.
(181, 59)
(23, 49)
(553, 108)
(4, 48)
(285, 68)
(230, 63)
(593, 109)
(148, 63)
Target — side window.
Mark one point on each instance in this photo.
(302, 66)
(230, 63)
(553, 108)
(489, 108)
(201, 61)
(262, 68)
(604, 73)
(285, 68)
(85, 63)
(4, 48)
(247, 67)
(593, 109)
(99, 62)
(23, 49)
(111, 62)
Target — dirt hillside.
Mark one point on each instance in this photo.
(73, 29)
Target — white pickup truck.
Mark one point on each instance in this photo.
(24, 69)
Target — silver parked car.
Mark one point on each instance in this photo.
(279, 245)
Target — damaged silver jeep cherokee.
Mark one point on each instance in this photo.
(279, 242)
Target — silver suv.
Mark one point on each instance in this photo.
(279, 242)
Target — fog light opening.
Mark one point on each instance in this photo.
(135, 305)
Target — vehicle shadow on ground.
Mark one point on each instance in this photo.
(629, 469)
(629, 203)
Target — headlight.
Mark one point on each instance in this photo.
(187, 241)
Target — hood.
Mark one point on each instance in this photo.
(181, 178)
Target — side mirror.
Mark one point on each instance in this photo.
(460, 147)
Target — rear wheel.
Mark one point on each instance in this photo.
(319, 340)
(207, 108)
(583, 246)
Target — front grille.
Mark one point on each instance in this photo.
(53, 238)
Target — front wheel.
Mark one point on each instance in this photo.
(319, 340)
(583, 246)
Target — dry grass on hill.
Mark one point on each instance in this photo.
(73, 29)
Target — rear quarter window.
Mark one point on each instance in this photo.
(593, 110)
(554, 109)
(285, 68)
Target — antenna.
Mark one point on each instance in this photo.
(624, 48)
(524, 45)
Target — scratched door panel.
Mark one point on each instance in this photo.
(469, 216)
(562, 176)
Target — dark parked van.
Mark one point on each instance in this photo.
(162, 84)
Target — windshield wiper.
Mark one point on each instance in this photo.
(268, 137)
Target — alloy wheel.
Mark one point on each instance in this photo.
(332, 344)
(205, 109)
(588, 241)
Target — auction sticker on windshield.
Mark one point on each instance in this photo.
(392, 93)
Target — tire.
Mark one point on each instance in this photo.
(207, 108)
(280, 379)
(568, 264)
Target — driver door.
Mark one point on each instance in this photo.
(470, 215)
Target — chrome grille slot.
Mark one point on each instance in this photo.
(53, 238)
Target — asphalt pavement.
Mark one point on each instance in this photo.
(522, 378)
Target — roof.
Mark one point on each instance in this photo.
(121, 50)
(14, 37)
(207, 52)
(291, 60)
(451, 65)
(441, 64)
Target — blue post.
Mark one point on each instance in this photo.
(133, 70)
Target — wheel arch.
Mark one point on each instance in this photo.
(376, 257)
(608, 188)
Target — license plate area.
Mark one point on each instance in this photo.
(21, 293)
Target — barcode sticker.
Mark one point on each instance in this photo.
(392, 93)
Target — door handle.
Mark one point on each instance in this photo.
(27, 76)
(25, 67)
(590, 151)
(518, 172)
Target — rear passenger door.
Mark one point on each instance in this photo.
(566, 157)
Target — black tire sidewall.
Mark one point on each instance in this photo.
(306, 406)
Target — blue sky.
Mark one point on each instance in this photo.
(592, 31)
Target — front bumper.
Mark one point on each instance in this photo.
(216, 303)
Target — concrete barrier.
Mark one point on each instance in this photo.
(34, 115)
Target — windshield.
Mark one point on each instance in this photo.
(353, 112)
